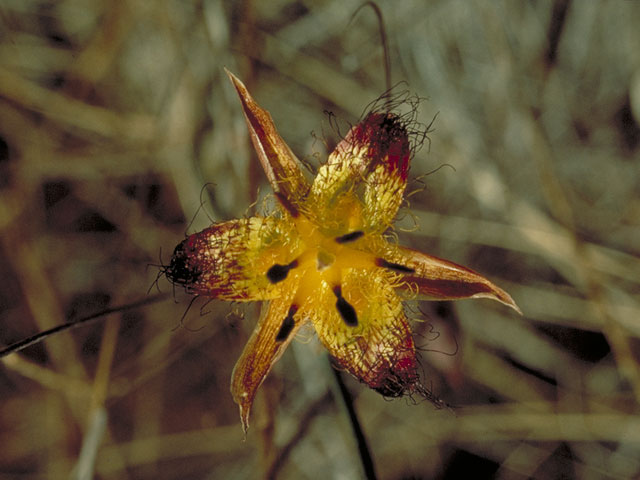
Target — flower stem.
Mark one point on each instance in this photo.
(22, 344)
(363, 447)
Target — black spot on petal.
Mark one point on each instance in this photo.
(345, 309)
(279, 272)
(287, 325)
(350, 237)
(381, 262)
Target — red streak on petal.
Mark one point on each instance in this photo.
(449, 288)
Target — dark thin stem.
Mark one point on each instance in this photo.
(363, 446)
(38, 337)
(383, 39)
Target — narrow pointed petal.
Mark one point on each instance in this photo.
(278, 161)
(234, 260)
(364, 327)
(278, 324)
(438, 279)
(370, 163)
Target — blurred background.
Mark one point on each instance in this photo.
(119, 133)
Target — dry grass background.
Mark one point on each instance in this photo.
(115, 115)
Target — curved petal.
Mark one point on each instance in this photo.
(370, 163)
(278, 161)
(277, 326)
(233, 260)
(364, 327)
(438, 279)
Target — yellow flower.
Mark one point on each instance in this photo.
(325, 259)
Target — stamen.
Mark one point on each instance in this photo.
(350, 237)
(287, 324)
(381, 262)
(345, 309)
(279, 272)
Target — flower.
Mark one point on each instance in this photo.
(324, 258)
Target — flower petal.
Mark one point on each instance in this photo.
(277, 326)
(363, 325)
(278, 161)
(234, 260)
(375, 154)
(438, 279)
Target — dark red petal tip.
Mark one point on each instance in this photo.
(401, 375)
(182, 270)
(387, 140)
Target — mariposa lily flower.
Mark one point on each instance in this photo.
(324, 258)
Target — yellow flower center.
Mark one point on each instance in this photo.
(328, 252)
